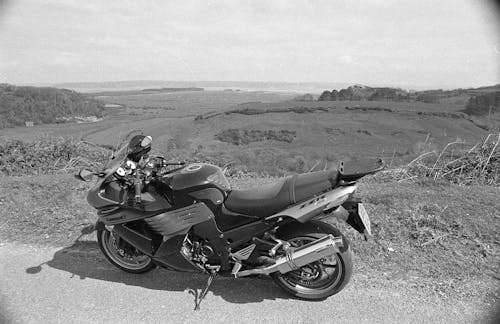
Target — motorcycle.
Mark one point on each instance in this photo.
(187, 218)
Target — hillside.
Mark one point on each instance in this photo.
(44, 105)
(271, 133)
(360, 92)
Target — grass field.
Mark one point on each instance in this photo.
(193, 125)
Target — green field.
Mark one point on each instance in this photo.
(242, 129)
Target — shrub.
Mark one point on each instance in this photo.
(477, 165)
(47, 156)
(427, 97)
(242, 137)
(305, 97)
(325, 96)
(483, 104)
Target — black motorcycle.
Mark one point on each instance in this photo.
(187, 218)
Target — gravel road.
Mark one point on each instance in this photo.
(77, 285)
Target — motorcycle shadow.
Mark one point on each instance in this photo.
(85, 260)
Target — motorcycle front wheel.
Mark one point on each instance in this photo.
(123, 255)
(321, 279)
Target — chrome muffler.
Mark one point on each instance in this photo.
(295, 259)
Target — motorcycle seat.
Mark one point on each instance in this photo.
(266, 200)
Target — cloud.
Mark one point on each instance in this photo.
(346, 59)
(70, 40)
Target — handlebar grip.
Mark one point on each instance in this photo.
(137, 186)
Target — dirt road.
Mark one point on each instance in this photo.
(77, 285)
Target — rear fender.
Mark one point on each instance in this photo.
(349, 213)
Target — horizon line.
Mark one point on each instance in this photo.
(392, 85)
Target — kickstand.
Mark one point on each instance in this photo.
(211, 278)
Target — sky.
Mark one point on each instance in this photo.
(446, 43)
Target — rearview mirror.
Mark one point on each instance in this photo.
(84, 175)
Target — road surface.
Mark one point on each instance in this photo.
(77, 285)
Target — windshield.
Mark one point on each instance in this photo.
(116, 160)
(132, 149)
(119, 155)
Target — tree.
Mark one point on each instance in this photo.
(325, 96)
(483, 104)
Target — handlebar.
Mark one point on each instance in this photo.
(138, 175)
(172, 163)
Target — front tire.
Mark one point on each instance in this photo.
(321, 279)
(123, 255)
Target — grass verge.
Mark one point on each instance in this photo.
(426, 234)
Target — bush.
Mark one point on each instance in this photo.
(306, 97)
(427, 97)
(483, 104)
(48, 156)
(242, 137)
(477, 165)
(325, 96)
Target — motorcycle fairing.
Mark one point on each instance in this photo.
(139, 241)
(211, 195)
(170, 256)
(152, 204)
(122, 215)
(179, 221)
(306, 210)
(227, 220)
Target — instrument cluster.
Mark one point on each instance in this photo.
(127, 168)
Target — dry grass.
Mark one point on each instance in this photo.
(479, 164)
(48, 155)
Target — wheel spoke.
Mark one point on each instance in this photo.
(122, 253)
(316, 275)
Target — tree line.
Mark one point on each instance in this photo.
(483, 104)
(357, 92)
(482, 100)
(41, 105)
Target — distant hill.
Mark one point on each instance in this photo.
(43, 105)
(484, 103)
(141, 91)
(360, 92)
(299, 87)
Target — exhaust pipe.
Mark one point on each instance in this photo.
(298, 258)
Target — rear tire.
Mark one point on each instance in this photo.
(320, 279)
(123, 255)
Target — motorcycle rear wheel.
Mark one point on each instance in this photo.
(123, 255)
(321, 279)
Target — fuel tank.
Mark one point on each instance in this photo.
(197, 176)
